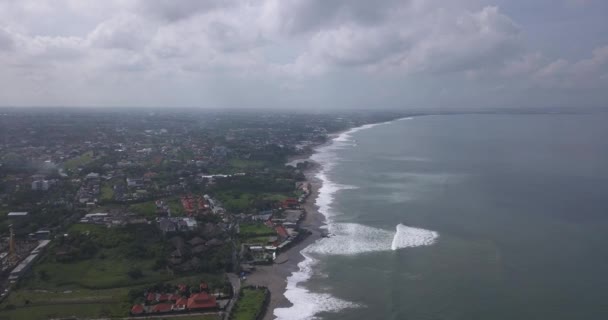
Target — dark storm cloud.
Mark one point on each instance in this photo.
(303, 52)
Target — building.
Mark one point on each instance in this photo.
(200, 301)
(40, 185)
(17, 215)
(22, 268)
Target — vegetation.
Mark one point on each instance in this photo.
(255, 230)
(107, 193)
(147, 209)
(79, 161)
(250, 304)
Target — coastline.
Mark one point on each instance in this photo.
(275, 276)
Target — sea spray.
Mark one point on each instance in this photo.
(412, 237)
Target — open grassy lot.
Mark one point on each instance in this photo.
(176, 207)
(255, 230)
(147, 209)
(54, 311)
(118, 252)
(236, 202)
(245, 164)
(79, 161)
(249, 305)
(107, 193)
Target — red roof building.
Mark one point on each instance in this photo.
(201, 301)
(137, 309)
(290, 203)
(162, 308)
(151, 297)
(182, 288)
(281, 232)
(180, 304)
(163, 297)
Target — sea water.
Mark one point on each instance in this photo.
(460, 217)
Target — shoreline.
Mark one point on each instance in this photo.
(274, 276)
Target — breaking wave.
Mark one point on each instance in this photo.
(353, 238)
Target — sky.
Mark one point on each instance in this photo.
(304, 54)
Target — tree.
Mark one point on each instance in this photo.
(43, 275)
(135, 273)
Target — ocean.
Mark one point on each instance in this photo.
(460, 217)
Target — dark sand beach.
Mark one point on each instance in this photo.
(274, 277)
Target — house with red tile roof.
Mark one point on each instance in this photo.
(201, 301)
(151, 297)
(281, 232)
(162, 308)
(182, 288)
(137, 309)
(290, 203)
(181, 304)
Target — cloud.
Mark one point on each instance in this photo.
(6, 40)
(266, 46)
(124, 31)
(177, 10)
(435, 40)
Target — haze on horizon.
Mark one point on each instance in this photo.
(304, 53)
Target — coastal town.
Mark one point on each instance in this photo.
(136, 213)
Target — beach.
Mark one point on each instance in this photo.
(274, 276)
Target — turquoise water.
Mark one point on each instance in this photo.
(503, 217)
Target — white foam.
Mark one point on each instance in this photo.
(407, 237)
(307, 304)
(347, 239)
(353, 238)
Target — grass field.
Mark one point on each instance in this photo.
(256, 230)
(54, 311)
(147, 209)
(79, 161)
(244, 164)
(249, 305)
(176, 207)
(107, 193)
(275, 196)
(236, 202)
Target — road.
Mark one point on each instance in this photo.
(235, 281)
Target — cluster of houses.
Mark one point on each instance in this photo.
(176, 224)
(89, 191)
(285, 223)
(181, 300)
(111, 219)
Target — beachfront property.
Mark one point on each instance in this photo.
(181, 299)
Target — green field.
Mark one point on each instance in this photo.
(275, 196)
(95, 287)
(236, 202)
(54, 311)
(107, 193)
(79, 161)
(249, 305)
(176, 207)
(255, 230)
(245, 164)
(147, 209)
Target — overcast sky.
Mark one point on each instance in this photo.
(313, 54)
